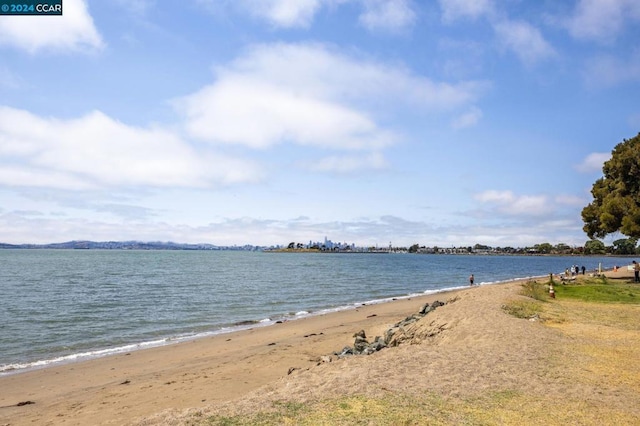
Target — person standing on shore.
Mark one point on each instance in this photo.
(636, 271)
(471, 280)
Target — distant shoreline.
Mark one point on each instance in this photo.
(127, 245)
(169, 245)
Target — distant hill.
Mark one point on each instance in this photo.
(127, 245)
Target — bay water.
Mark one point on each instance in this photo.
(64, 305)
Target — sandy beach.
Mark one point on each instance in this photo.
(464, 349)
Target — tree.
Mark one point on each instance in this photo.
(594, 247)
(543, 248)
(616, 196)
(625, 246)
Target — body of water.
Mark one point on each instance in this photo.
(63, 305)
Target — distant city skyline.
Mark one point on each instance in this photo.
(619, 247)
(448, 123)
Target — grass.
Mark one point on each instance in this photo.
(600, 290)
(592, 289)
(532, 307)
(588, 289)
(505, 407)
(535, 290)
(524, 309)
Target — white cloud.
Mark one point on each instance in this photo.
(494, 196)
(96, 151)
(9, 80)
(506, 202)
(602, 20)
(607, 71)
(524, 40)
(388, 15)
(73, 31)
(472, 9)
(348, 164)
(18, 228)
(310, 95)
(283, 13)
(593, 162)
(571, 200)
(468, 119)
(259, 115)
(520, 37)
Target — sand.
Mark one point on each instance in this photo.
(465, 348)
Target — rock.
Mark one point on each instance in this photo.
(347, 350)
(388, 335)
(425, 309)
(395, 335)
(378, 344)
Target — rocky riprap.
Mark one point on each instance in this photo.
(400, 332)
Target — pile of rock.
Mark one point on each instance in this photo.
(392, 337)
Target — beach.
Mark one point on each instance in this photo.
(464, 349)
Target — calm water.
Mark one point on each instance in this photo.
(61, 305)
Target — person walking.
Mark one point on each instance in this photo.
(471, 280)
(636, 271)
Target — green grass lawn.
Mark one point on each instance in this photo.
(601, 290)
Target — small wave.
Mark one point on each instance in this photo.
(9, 368)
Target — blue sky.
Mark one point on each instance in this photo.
(448, 123)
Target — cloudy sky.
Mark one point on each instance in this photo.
(440, 122)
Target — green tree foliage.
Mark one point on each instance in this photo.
(594, 247)
(625, 246)
(543, 248)
(616, 196)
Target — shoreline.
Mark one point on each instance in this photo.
(118, 388)
(98, 353)
(294, 359)
(34, 342)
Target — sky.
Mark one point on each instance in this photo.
(231, 122)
